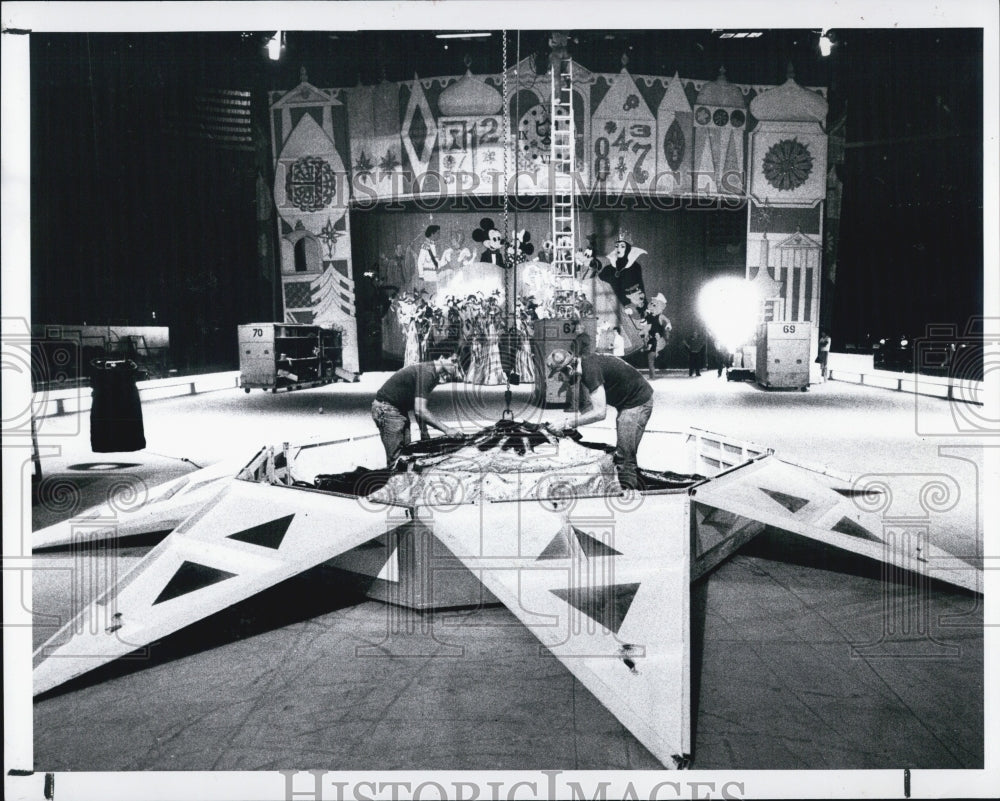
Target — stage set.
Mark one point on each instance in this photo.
(625, 195)
(628, 195)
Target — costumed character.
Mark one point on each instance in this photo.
(620, 275)
(655, 328)
(427, 259)
(394, 269)
(487, 272)
(536, 280)
(519, 250)
(547, 252)
(494, 314)
(425, 326)
(455, 256)
(516, 253)
(474, 333)
(524, 361)
(452, 266)
(492, 241)
(587, 263)
(406, 314)
(623, 273)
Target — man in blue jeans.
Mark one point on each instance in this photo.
(612, 382)
(406, 391)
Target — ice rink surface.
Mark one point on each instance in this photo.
(802, 657)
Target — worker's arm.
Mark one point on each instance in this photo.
(424, 415)
(598, 411)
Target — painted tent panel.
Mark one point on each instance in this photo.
(603, 584)
(249, 538)
(793, 499)
(674, 140)
(624, 150)
(159, 509)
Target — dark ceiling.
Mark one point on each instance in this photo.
(343, 58)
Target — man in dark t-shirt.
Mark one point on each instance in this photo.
(612, 382)
(406, 391)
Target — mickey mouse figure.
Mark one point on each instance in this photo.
(521, 248)
(586, 260)
(489, 235)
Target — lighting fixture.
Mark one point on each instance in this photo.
(275, 45)
(825, 43)
(478, 35)
(730, 308)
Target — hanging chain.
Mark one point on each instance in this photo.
(506, 136)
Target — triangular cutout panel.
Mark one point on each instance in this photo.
(166, 507)
(191, 576)
(606, 605)
(390, 570)
(559, 548)
(266, 535)
(200, 571)
(790, 502)
(847, 526)
(641, 671)
(593, 547)
(828, 518)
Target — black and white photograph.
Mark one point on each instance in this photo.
(500, 400)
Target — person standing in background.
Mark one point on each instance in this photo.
(694, 343)
(824, 354)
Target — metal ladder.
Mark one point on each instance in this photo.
(562, 162)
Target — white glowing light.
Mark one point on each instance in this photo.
(274, 45)
(730, 307)
(825, 44)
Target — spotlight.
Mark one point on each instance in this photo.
(730, 308)
(826, 43)
(275, 45)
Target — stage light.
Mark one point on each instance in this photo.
(478, 35)
(275, 45)
(730, 309)
(825, 43)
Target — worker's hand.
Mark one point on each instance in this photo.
(452, 432)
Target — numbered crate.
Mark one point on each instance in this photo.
(287, 356)
(783, 355)
(553, 339)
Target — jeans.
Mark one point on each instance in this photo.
(631, 425)
(393, 428)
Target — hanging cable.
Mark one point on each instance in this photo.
(506, 233)
(506, 141)
(517, 163)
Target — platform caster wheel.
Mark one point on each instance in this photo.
(246, 390)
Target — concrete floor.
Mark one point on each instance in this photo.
(798, 656)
